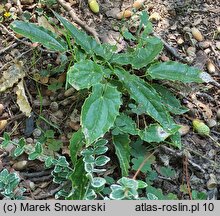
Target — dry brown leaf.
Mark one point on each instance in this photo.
(11, 76)
(42, 21)
(22, 100)
(206, 110)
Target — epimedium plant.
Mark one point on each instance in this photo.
(117, 94)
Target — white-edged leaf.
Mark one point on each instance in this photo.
(98, 182)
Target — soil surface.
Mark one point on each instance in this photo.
(196, 164)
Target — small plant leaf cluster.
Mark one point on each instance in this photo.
(9, 185)
(117, 98)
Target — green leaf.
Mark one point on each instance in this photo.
(140, 56)
(49, 134)
(100, 150)
(89, 167)
(62, 162)
(85, 74)
(117, 193)
(128, 183)
(138, 148)
(101, 160)
(156, 192)
(100, 143)
(54, 145)
(39, 34)
(18, 151)
(146, 96)
(85, 41)
(99, 111)
(79, 181)
(98, 182)
(6, 140)
(146, 24)
(76, 144)
(167, 172)
(49, 162)
(176, 140)
(20, 148)
(4, 175)
(153, 133)
(89, 159)
(37, 151)
(151, 196)
(169, 100)
(124, 124)
(137, 162)
(90, 195)
(128, 36)
(171, 196)
(141, 184)
(184, 188)
(175, 71)
(199, 195)
(122, 148)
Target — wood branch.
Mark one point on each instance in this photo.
(78, 21)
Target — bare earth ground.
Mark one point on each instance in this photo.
(199, 156)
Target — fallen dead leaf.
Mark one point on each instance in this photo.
(22, 100)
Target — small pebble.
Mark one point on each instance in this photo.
(59, 114)
(218, 45)
(211, 123)
(210, 67)
(75, 126)
(27, 1)
(1, 108)
(3, 124)
(197, 34)
(69, 92)
(212, 182)
(218, 114)
(29, 140)
(20, 165)
(207, 51)
(191, 51)
(164, 58)
(155, 17)
(184, 130)
(124, 14)
(66, 102)
(60, 96)
(180, 41)
(186, 29)
(54, 106)
(44, 102)
(36, 133)
(32, 185)
(12, 10)
(8, 6)
(204, 44)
